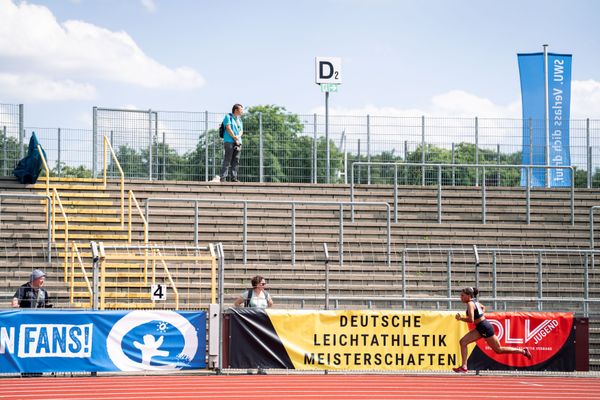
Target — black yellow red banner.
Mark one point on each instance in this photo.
(392, 340)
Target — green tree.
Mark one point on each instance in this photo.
(287, 153)
(70, 172)
(9, 154)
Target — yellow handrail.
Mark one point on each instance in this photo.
(137, 205)
(132, 198)
(47, 170)
(56, 200)
(169, 277)
(116, 161)
(75, 251)
(45, 164)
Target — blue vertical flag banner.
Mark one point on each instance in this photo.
(531, 72)
(559, 114)
(99, 341)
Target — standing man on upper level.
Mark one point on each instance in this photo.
(232, 142)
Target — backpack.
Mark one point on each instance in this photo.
(249, 297)
(222, 128)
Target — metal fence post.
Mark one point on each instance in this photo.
(327, 153)
(261, 155)
(586, 285)
(404, 279)
(396, 193)
(423, 150)
(368, 148)
(314, 152)
(449, 278)
(95, 275)
(164, 157)
(439, 194)
(540, 285)
(498, 162)
(206, 144)
(528, 195)
(58, 155)
(476, 150)
(221, 284)
(150, 145)
(494, 279)
(453, 162)
(530, 140)
(341, 237)
(21, 131)
(95, 140)
(196, 221)
(293, 234)
(588, 153)
(245, 233)
(4, 151)
(326, 252)
(483, 197)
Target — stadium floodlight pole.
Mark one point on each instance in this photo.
(546, 122)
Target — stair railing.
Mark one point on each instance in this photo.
(167, 272)
(108, 146)
(47, 170)
(56, 201)
(75, 253)
(133, 200)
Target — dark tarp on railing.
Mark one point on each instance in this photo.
(28, 169)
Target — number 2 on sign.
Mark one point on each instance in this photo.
(158, 292)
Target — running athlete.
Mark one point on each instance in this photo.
(483, 329)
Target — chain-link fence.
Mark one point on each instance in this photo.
(286, 147)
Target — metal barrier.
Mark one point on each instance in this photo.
(49, 220)
(439, 167)
(176, 267)
(592, 209)
(292, 203)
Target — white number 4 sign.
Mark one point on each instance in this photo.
(158, 292)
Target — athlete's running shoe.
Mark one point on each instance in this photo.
(527, 353)
(460, 370)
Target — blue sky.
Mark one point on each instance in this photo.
(404, 58)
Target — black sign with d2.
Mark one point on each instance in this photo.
(328, 70)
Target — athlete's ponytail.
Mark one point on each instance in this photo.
(471, 291)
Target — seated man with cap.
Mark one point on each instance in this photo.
(31, 294)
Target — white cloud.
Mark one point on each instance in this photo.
(31, 87)
(585, 99)
(455, 103)
(33, 41)
(149, 5)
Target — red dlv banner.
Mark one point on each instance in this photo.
(544, 334)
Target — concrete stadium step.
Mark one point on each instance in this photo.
(90, 236)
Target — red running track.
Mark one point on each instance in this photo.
(296, 387)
